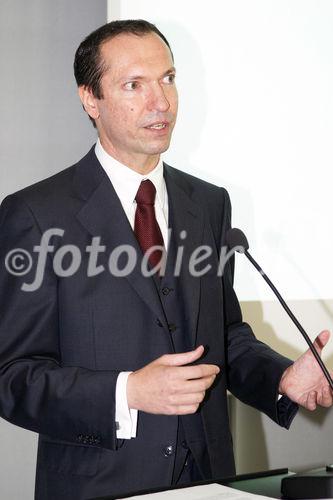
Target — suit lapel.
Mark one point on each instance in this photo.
(184, 215)
(102, 215)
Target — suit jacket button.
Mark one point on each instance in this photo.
(159, 323)
(166, 290)
(184, 445)
(168, 451)
(172, 327)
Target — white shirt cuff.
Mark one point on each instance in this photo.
(126, 419)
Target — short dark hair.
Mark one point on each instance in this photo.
(89, 66)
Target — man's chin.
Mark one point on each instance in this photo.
(157, 149)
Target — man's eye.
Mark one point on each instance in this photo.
(131, 85)
(169, 78)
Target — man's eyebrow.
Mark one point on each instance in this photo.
(171, 70)
(140, 77)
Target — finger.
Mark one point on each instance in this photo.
(311, 402)
(198, 371)
(321, 340)
(182, 358)
(187, 409)
(199, 385)
(325, 397)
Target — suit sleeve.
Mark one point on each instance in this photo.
(36, 392)
(254, 370)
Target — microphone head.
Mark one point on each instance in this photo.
(236, 239)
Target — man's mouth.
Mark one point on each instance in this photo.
(158, 126)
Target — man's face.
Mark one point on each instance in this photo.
(139, 107)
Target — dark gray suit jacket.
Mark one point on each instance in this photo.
(62, 346)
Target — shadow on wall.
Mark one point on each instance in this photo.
(281, 334)
(260, 444)
(250, 447)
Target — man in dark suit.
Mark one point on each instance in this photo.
(118, 358)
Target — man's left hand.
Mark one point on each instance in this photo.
(304, 382)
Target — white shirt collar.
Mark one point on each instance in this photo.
(126, 181)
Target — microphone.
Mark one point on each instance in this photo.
(237, 240)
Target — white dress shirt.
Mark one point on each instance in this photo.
(126, 183)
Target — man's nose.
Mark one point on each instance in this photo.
(158, 99)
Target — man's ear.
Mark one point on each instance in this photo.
(89, 101)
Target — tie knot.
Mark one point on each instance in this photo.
(146, 193)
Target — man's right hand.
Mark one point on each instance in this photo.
(166, 386)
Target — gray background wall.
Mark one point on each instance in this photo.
(43, 130)
(42, 125)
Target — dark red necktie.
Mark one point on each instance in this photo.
(146, 228)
